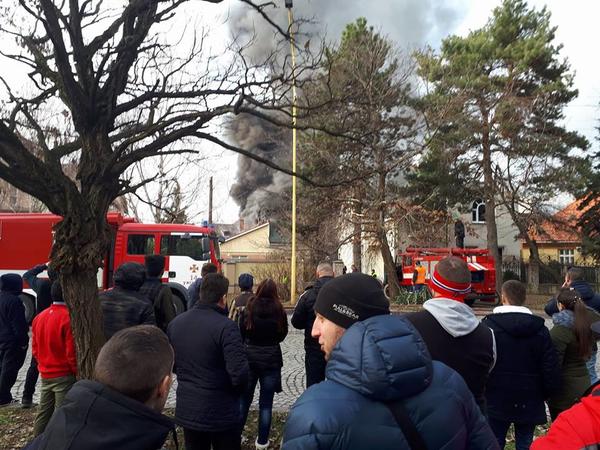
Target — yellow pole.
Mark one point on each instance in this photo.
(294, 142)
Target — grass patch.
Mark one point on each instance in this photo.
(16, 428)
(250, 431)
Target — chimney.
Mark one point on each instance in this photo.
(241, 224)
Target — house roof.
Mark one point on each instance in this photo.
(244, 233)
(562, 226)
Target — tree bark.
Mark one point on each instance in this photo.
(389, 265)
(357, 231)
(81, 241)
(490, 203)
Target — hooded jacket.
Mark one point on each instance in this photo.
(455, 336)
(95, 417)
(123, 306)
(13, 325)
(589, 297)
(526, 370)
(161, 298)
(383, 359)
(41, 287)
(575, 429)
(575, 378)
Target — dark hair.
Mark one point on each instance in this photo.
(134, 361)
(246, 281)
(214, 287)
(571, 300)
(265, 303)
(575, 273)
(130, 275)
(52, 273)
(208, 268)
(56, 293)
(515, 292)
(155, 265)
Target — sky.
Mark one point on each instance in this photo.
(410, 23)
(577, 31)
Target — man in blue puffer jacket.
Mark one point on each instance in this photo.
(378, 371)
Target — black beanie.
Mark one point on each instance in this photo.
(351, 298)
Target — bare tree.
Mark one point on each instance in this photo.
(174, 196)
(125, 91)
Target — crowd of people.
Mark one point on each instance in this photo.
(437, 378)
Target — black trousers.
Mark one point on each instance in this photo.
(30, 380)
(314, 362)
(221, 440)
(12, 358)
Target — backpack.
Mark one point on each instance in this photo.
(238, 306)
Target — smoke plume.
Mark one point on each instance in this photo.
(409, 24)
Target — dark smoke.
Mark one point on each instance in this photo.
(408, 23)
(258, 188)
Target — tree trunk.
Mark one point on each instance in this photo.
(490, 204)
(357, 232)
(533, 270)
(389, 265)
(81, 241)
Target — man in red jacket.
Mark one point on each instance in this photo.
(577, 428)
(54, 349)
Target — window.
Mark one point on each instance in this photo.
(140, 244)
(566, 256)
(478, 211)
(182, 245)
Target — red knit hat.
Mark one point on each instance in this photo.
(454, 290)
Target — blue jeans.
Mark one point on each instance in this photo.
(523, 433)
(591, 367)
(270, 382)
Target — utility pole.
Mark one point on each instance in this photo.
(210, 201)
(288, 5)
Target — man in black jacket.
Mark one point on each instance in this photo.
(526, 370)
(157, 292)
(13, 335)
(451, 330)
(121, 409)
(123, 306)
(212, 370)
(41, 287)
(303, 319)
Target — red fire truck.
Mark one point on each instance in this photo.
(479, 260)
(26, 240)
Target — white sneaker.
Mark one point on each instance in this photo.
(261, 446)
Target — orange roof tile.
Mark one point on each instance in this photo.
(562, 227)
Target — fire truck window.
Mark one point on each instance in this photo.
(477, 276)
(140, 244)
(182, 246)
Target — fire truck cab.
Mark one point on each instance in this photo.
(26, 240)
(479, 260)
